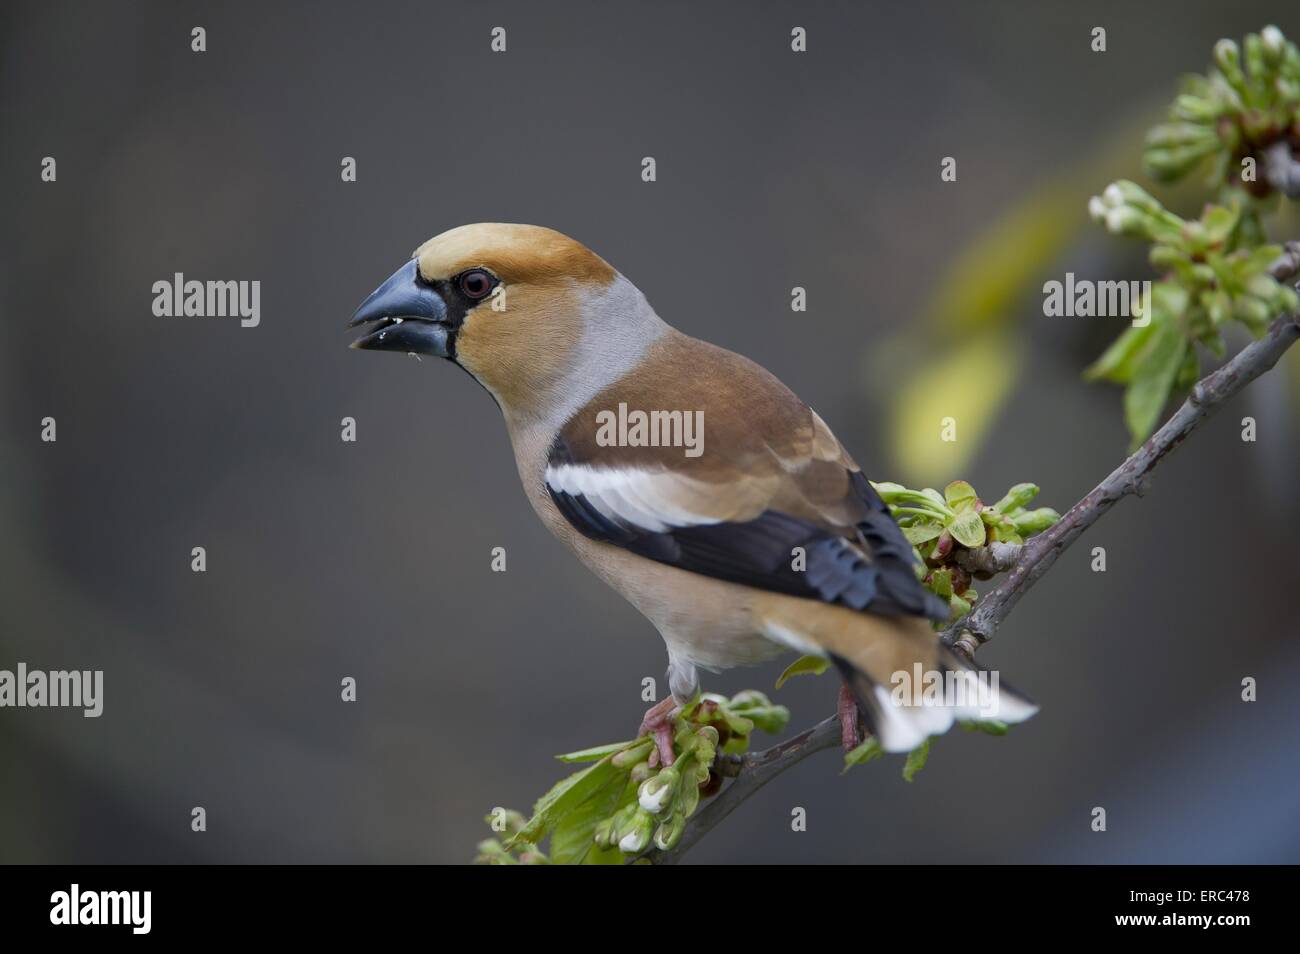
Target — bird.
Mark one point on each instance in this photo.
(752, 535)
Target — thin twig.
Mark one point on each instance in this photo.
(1131, 477)
(754, 770)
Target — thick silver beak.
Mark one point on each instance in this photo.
(409, 315)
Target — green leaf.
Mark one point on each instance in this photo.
(803, 666)
(987, 726)
(1118, 362)
(593, 754)
(1219, 222)
(916, 760)
(968, 529)
(886, 488)
(922, 530)
(936, 498)
(1262, 258)
(564, 797)
(868, 751)
(1147, 395)
(604, 856)
(1217, 305)
(940, 583)
(916, 513)
(573, 838)
(927, 499)
(960, 495)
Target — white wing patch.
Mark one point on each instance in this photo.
(653, 500)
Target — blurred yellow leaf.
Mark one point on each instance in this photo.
(971, 323)
(991, 277)
(968, 383)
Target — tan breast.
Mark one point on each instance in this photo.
(710, 622)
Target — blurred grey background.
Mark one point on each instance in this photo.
(328, 559)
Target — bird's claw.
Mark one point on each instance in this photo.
(658, 723)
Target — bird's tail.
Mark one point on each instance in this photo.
(908, 685)
(927, 702)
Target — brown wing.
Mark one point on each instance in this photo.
(767, 497)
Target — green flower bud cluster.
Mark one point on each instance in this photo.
(1249, 100)
(940, 525)
(736, 718)
(626, 803)
(1215, 269)
(1125, 208)
(666, 796)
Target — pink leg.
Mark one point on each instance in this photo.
(658, 722)
(846, 707)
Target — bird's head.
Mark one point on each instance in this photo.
(510, 303)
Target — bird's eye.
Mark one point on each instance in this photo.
(476, 283)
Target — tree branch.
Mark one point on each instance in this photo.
(995, 558)
(1131, 477)
(1026, 563)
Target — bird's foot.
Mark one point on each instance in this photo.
(846, 707)
(658, 722)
